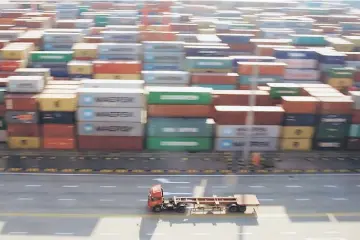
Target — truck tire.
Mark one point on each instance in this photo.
(157, 209)
(181, 209)
(242, 209)
(233, 209)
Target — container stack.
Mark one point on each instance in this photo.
(119, 51)
(308, 40)
(279, 90)
(334, 121)
(111, 118)
(299, 121)
(125, 70)
(80, 69)
(232, 131)
(85, 51)
(301, 64)
(353, 142)
(239, 43)
(3, 127)
(166, 78)
(339, 78)
(120, 36)
(178, 119)
(60, 41)
(269, 72)
(22, 114)
(56, 61)
(210, 71)
(163, 56)
(66, 10)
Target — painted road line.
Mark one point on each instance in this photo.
(339, 199)
(70, 186)
(302, 199)
(61, 233)
(266, 200)
(107, 200)
(183, 187)
(66, 199)
(293, 186)
(142, 200)
(33, 185)
(25, 199)
(108, 186)
(256, 186)
(330, 186)
(144, 187)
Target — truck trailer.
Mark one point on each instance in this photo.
(237, 203)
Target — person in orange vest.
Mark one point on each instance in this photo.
(256, 159)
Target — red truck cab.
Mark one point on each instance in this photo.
(156, 196)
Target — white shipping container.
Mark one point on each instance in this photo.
(101, 114)
(25, 84)
(108, 83)
(238, 131)
(255, 144)
(110, 129)
(300, 63)
(302, 74)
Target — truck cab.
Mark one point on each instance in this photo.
(155, 197)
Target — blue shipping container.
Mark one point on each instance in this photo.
(295, 54)
(299, 120)
(57, 117)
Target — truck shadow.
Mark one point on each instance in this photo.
(148, 225)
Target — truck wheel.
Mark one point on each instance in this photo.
(242, 209)
(157, 209)
(233, 209)
(181, 209)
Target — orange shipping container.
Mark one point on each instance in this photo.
(58, 131)
(117, 67)
(59, 143)
(93, 39)
(240, 98)
(214, 78)
(300, 105)
(179, 111)
(7, 21)
(265, 68)
(158, 36)
(268, 50)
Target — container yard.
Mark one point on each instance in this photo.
(180, 76)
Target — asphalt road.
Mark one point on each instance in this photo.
(92, 207)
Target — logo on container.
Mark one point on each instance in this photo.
(88, 99)
(226, 143)
(88, 128)
(88, 114)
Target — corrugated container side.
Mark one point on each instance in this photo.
(202, 111)
(238, 144)
(21, 117)
(106, 143)
(110, 129)
(58, 131)
(23, 130)
(24, 142)
(240, 131)
(296, 144)
(59, 143)
(179, 144)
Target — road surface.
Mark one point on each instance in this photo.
(97, 207)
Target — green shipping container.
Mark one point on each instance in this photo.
(341, 72)
(310, 40)
(3, 125)
(332, 130)
(101, 20)
(51, 56)
(179, 95)
(209, 63)
(354, 131)
(2, 95)
(242, 26)
(179, 144)
(83, 9)
(278, 90)
(180, 127)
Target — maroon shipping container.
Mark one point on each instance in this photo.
(355, 116)
(110, 143)
(23, 130)
(179, 110)
(236, 115)
(2, 110)
(214, 78)
(335, 105)
(240, 97)
(21, 102)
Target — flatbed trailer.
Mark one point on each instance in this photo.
(236, 203)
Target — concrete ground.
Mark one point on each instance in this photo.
(92, 207)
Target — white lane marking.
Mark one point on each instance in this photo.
(155, 234)
(245, 233)
(60, 233)
(70, 186)
(183, 187)
(356, 185)
(33, 185)
(66, 199)
(287, 233)
(25, 199)
(142, 200)
(147, 187)
(339, 199)
(256, 186)
(108, 186)
(302, 199)
(293, 186)
(219, 186)
(201, 234)
(18, 233)
(266, 199)
(330, 186)
(107, 200)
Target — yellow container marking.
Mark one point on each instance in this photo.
(297, 132)
(58, 102)
(118, 76)
(78, 67)
(340, 82)
(24, 142)
(287, 144)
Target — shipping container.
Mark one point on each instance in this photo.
(281, 53)
(24, 142)
(190, 144)
(335, 105)
(3, 125)
(58, 130)
(179, 95)
(126, 129)
(297, 132)
(165, 77)
(101, 114)
(180, 127)
(332, 130)
(241, 131)
(21, 102)
(164, 57)
(201, 111)
(21, 117)
(301, 75)
(61, 86)
(353, 144)
(25, 84)
(240, 98)
(57, 117)
(300, 105)
(3, 136)
(264, 144)
(214, 78)
(51, 56)
(288, 144)
(277, 90)
(264, 68)
(23, 130)
(355, 95)
(299, 119)
(105, 83)
(110, 143)
(208, 62)
(118, 76)
(117, 67)
(59, 143)
(57, 102)
(329, 144)
(107, 97)
(76, 67)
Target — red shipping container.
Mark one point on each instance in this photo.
(117, 67)
(2, 110)
(59, 143)
(158, 36)
(10, 65)
(23, 130)
(106, 143)
(58, 131)
(21, 102)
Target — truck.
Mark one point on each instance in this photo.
(237, 203)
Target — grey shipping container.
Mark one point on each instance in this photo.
(166, 77)
(239, 131)
(25, 84)
(164, 57)
(110, 129)
(62, 37)
(106, 83)
(21, 117)
(123, 48)
(238, 144)
(121, 28)
(111, 114)
(160, 46)
(44, 72)
(111, 97)
(122, 20)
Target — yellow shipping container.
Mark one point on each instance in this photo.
(288, 144)
(340, 82)
(57, 102)
(68, 87)
(24, 142)
(80, 67)
(59, 91)
(63, 82)
(17, 51)
(353, 39)
(207, 31)
(297, 132)
(85, 50)
(118, 76)
(204, 70)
